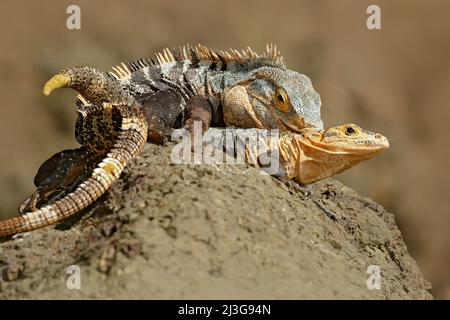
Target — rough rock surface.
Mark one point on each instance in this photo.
(222, 231)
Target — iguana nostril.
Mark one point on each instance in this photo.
(378, 136)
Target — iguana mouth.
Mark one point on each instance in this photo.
(287, 126)
(370, 146)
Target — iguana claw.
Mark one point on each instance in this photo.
(57, 81)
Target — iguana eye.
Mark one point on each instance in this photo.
(281, 100)
(349, 131)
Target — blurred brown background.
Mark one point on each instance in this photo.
(395, 81)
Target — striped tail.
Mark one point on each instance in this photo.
(131, 138)
(129, 144)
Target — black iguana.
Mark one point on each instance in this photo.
(176, 88)
(240, 89)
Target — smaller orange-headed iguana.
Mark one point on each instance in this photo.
(315, 155)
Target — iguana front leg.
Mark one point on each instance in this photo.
(163, 111)
(303, 189)
(198, 109)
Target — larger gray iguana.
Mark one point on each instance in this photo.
(145, 99)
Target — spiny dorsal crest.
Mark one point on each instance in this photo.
(197, 53)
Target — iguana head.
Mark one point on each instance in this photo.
(273, 97)
(321, 154)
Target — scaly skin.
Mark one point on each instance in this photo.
(315, 156)
(233, 89)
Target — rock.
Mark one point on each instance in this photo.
(222, 231)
